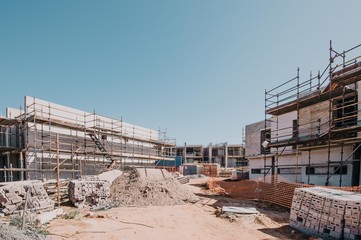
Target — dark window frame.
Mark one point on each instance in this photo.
(265, 134)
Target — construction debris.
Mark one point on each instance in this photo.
(240, 210)
(225, 172)
(211, 170)
(9, 232)
(141, 186)
(13, 195)
(150, 187)
(46, 217)
(327, 213)
(110, 176)
(92, 191)
(239, 175)
(183, 179)
(208, 169)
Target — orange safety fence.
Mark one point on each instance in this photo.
(273, 190)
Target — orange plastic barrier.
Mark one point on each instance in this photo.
(273, 190)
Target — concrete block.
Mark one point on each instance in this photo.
(46, 217)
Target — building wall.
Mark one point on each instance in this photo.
(223, 154)
(70, 115)
(253, 137)
(319, 158)
(282, 126)
(293, 167)
(314, 119)
(256, 166)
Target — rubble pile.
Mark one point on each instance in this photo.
(92, 191)
(8, 232)
(150, 187)
(183, 179)
(138, 187)
(13, 194)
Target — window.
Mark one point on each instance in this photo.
(265, 136)
(323, 170)
(340, 170)
(310, 170)
(256, 170)
(289, 171)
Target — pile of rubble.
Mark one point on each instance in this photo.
(9, 232)
(138, 187)
(182, 179)
(92, 191)
(150, 187)
(13, 195)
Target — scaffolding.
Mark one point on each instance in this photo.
(325, 114)
(85, 143)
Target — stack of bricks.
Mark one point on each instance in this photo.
(352, 218)
(211, 170)
(51, 187)
(13, 194)
(89, 191)
(326, 213)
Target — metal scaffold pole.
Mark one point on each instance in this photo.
(329, 118)
(57, 168)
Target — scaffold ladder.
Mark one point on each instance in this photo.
(101, 147)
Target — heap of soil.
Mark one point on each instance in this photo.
(136, 189)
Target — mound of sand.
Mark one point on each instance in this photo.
(145, 187)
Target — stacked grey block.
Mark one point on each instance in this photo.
(326, 213)
(12, 197)
(89, 191)
(352, 227)
(182, 179)
(93, 190)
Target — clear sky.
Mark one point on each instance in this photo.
(197, 68)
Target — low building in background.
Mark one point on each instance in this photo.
(224, 154)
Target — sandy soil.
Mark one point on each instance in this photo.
(188, 221)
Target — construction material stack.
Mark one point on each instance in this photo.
(13, 197)
(89, 191)
(327, 213)
(211, 170)
(51, 187)
(93, 190)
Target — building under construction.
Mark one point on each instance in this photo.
(45, 140)
(312, 128)
(224, 154)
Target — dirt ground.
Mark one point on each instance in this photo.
(188, 221)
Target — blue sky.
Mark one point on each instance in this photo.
(196, 68)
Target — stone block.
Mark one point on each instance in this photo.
(46, 217)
